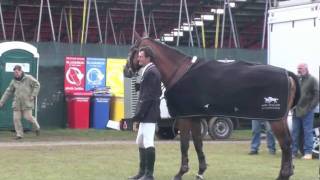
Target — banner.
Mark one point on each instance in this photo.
(115, 78)
(74, 74)
(95, 73)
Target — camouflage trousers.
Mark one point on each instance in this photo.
(27, 114)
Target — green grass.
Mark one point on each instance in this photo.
(71, 135)
(241, 135)
(95, 135)
(227, 161)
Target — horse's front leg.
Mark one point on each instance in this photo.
(184, 127)
(281, 131)
(198, 145)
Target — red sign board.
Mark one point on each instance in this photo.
(74, 74)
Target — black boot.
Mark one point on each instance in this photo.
(150, 159)
(142, 164)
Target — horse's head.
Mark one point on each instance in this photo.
(132, 66)
(171, 63)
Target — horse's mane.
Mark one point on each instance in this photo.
(166, 46)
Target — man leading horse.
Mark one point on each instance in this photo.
(185, 102)
(147, 114)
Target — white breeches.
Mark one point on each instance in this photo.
(145, 137)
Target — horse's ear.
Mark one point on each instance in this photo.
(137, 36)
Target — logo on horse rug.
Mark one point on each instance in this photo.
(269, 100)
(270, 103)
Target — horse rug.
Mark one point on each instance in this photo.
(235, 89)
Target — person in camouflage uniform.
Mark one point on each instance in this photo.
(24, 88)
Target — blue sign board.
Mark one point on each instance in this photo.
(95, 73)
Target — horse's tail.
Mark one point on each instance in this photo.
(298, 90)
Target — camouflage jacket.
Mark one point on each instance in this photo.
(23, 91)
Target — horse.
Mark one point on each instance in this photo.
(173, 65)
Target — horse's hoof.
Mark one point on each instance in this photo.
(177, 177)
(199, 177)
(280, 177)
(285, 173)
(283, 178)
(183, 169)
(286, 177)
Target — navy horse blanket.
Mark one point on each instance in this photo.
(237, 89)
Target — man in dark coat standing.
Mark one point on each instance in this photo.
(147, 114)
(303, 116)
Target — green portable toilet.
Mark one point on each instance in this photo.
(11, 54)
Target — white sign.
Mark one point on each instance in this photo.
(113, 125)
(25, 67)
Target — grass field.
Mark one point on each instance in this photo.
(228, 160)
(95, 135)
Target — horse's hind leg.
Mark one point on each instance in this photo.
(281, 131)
(198, 145)
(184, 127)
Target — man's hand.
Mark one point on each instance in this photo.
(135, 126)
(32, 98)
(1, 104)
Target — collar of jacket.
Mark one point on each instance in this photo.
(146, 67)
(302, 78)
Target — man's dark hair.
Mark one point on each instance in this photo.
(17, 67)
(147, 52)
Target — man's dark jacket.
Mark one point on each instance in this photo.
(309, 95)
(148, 107)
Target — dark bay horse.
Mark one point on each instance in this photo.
(173, 65)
